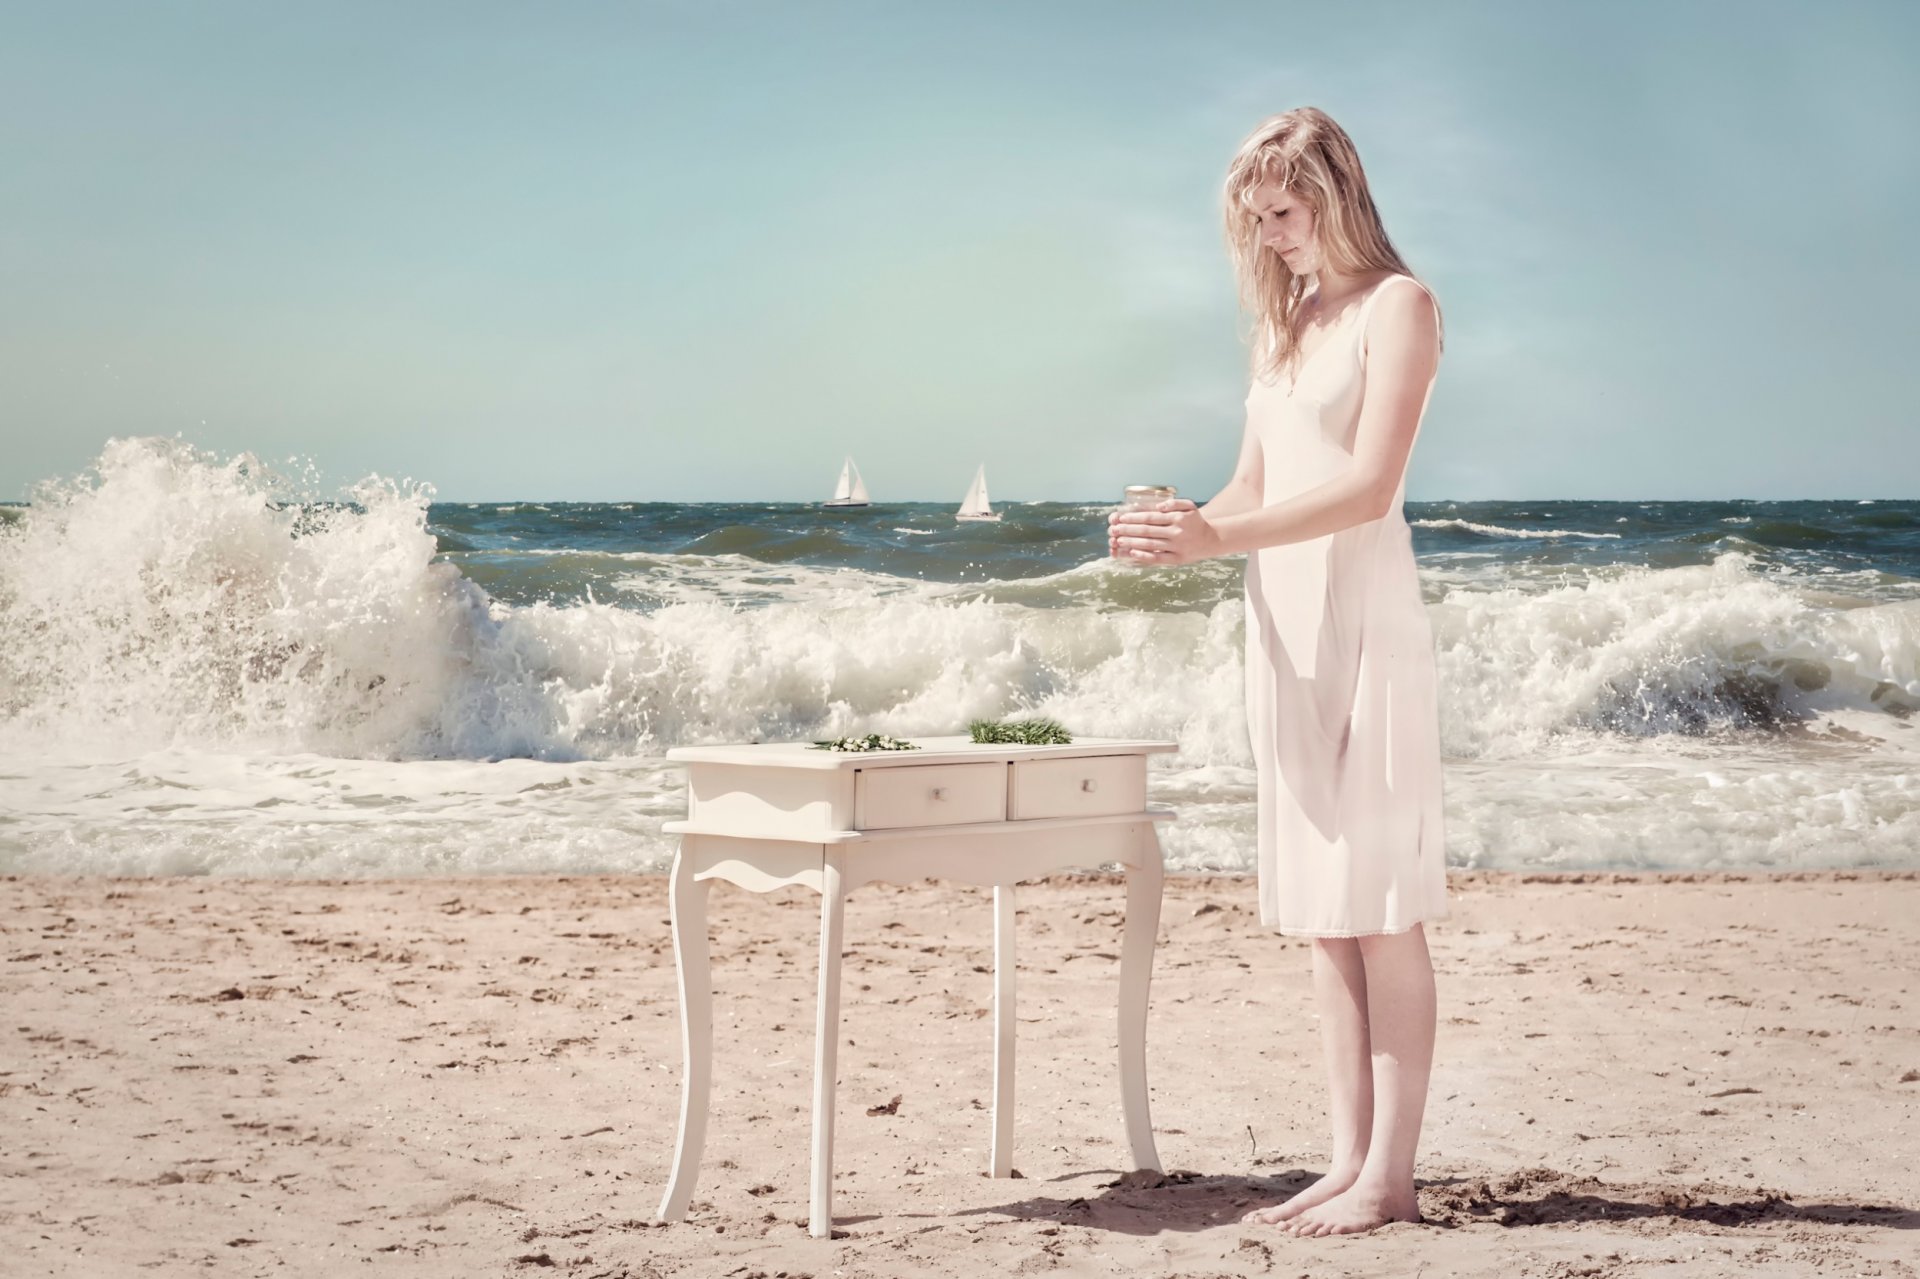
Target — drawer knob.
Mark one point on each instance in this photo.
(1089, 785)
(939, 792)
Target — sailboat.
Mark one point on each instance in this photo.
(975, 506)
(851, 490)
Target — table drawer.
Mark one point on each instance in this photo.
(1078, 786)
(929, 795)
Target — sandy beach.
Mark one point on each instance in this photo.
(1681, 1074)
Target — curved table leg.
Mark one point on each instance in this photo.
(826, 1044)
(1003, 1030)
(688, 898)
(1136, 972)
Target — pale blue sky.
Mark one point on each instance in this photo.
(698, 251)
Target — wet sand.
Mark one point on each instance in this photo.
(1691, 1075)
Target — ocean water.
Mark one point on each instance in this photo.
(210, 668)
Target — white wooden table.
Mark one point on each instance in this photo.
(763, 816)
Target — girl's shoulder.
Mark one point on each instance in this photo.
(1417, 302)
(1407, 310)
(1390, 282)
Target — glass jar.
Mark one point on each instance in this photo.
(1143, 497)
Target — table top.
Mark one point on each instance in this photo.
(933, 750)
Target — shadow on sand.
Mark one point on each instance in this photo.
(1146, 1203)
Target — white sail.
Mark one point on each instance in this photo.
(976, 499)
(975, 506)
(851, 490)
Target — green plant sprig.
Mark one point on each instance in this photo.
(1020, 732)
(871, 742)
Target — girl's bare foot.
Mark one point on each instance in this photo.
(1319, 1192)
(1355, 1209)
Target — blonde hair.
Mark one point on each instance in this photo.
(1305, 152)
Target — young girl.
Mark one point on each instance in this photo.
(1340, 679)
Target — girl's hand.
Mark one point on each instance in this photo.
(1173, 532)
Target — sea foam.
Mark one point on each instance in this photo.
(206, 665)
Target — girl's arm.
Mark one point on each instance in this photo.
(1234, 499)
(1403, 350)
(1245, 490)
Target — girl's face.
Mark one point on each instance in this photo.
(1287, 227)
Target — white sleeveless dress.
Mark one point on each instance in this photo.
(1342, 705)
